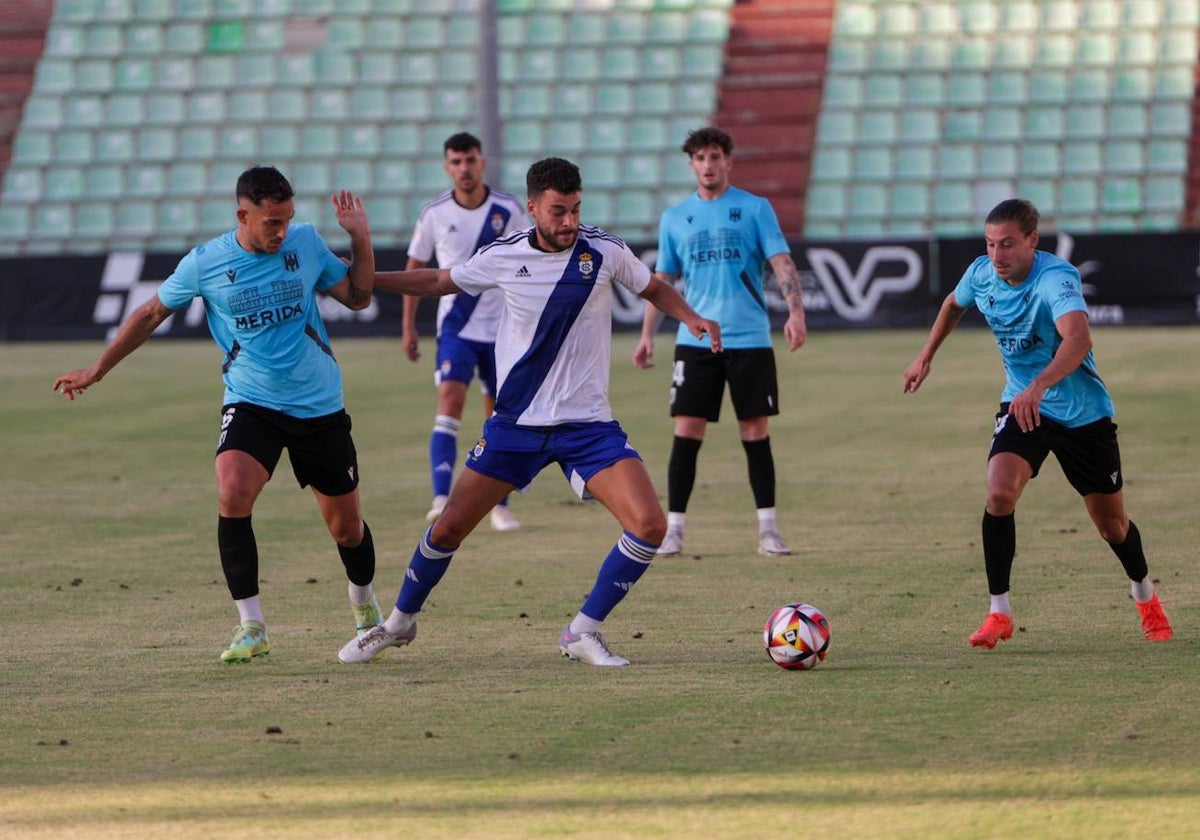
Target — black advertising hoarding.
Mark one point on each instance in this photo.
(1128, 279)
(1137, 279)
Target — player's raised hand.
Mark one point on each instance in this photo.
(350, 213)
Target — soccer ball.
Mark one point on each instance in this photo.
(796, 637)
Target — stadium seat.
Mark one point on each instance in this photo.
(883, 90)
(910, 200)
(998, 160)
(1122, 195)
(915, 162)
(147, 181)
(1165, 193)
(868, 201)
(1167, 155)
(963, 125)
(197, 142)
(1044, 123)
(878, 127)
(920, 126)
(1082, 157)
(94, 219)
(1078, 195)
(872, 164)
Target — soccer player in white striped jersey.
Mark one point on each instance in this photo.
(451, 228)
(553, 351)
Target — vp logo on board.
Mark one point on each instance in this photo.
(854, 294)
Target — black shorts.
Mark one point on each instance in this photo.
(1089, 455)
(699, 376)
(320, 448)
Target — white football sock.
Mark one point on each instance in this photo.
(360, 595)
(250, 609)
(766, 520)
(1000, 604)
(584, 624)
(1142, 590)
(675, 522)
(398, 622)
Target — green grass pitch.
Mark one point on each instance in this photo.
(117, 720)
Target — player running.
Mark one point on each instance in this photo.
(552, 358)
(1053, 401)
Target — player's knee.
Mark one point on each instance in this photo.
(651, 527)
(347, 531)
(1113, 530)
(1001, 501)
(234, 500)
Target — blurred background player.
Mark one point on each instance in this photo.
(1053, 401)
(553, 354)
(719, 239)
(451, 228)
(283, 387)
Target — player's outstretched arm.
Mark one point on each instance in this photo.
(133, 334)
(421, 282)
(947, 319)
(666, 298)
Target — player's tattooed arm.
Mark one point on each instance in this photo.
(795, 330)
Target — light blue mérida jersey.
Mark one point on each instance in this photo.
(1022, 318)
(262, 312)
(720, 247)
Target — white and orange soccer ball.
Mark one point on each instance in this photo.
(796, 637)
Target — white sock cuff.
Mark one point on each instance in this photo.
(446, 425)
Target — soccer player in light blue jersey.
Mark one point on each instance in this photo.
(283, 387)
(553, 350)
(719, 240)
(451, 228)
(1053, 401)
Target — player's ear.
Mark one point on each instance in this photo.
(1033, 239)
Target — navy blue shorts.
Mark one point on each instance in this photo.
(458, 359)
(516, 454)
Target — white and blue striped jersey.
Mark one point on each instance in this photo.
(453, 233)
(1022, 318)
(554, 343)
(262, 311)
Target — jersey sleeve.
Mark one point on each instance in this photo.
(473, 277)
(964, 292)
(628, 270)
(420, 247)
(1063, 291)
(333, 270)
(771, 238)
(177, 291)
(668, 258)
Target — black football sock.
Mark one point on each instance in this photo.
(761, 466)
(681, 473)
(239, 555)
(999, 548)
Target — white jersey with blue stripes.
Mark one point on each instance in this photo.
(453, 233)
(554, 343)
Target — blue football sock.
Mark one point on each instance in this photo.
(627, 561)
(443, 452)
(429, 562)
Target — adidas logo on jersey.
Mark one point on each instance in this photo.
(523, 272)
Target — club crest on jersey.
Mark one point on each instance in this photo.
(735, 214)
(586, 267)
(291, 260)
(477, 451)
(497, 223)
